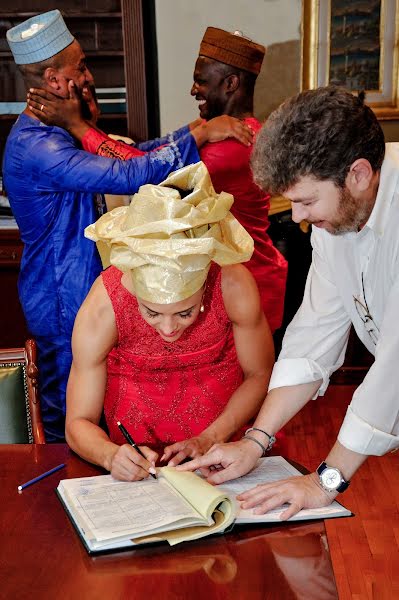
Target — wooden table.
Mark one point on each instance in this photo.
(41, 556)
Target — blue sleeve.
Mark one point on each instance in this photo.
(58, 165)
(166, 139)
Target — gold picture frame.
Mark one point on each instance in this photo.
(318, 62)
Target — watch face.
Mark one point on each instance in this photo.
(331, 478)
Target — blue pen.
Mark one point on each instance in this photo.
(39, 477)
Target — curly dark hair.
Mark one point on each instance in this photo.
(319, 133)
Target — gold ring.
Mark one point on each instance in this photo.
(41, 108)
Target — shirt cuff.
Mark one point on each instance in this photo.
(186, 150)
(295, 371)
(359, 436)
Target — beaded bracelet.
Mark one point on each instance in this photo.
(249, 437)
(272, 438)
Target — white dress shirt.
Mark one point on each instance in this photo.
(315, 341)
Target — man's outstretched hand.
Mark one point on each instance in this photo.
(190, 448)
(225, 461)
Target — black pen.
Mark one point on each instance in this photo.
(131, 441)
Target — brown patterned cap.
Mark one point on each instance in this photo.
(232, 49)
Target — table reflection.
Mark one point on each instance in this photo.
(251, 562)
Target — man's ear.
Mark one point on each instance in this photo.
(52, 78)
(232, 83)
(360, 176)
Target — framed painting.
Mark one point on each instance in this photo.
(355, 45)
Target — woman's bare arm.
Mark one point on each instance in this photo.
(94, 335)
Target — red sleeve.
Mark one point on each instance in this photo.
(97, 142)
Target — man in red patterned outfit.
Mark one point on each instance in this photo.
(224, 79)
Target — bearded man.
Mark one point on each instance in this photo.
(324, 150)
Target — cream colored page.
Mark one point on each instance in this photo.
(223, 517)
(216, 506)
(109, 509)
(198, 492)
(269, 470)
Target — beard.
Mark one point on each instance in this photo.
(86, 112)
(89, 103)
(352, 214)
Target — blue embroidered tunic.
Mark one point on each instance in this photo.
(55, 190)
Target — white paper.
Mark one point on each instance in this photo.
(107, 509)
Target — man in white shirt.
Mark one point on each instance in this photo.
(324, 150)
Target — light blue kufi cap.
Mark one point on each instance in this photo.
(39, 38)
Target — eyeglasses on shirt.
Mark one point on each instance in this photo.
(366, 317)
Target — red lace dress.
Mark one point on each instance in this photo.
(166, 392)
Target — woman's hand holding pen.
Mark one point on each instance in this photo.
(128, 465)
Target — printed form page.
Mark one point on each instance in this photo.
(107, 509)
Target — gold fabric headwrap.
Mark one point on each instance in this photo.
(168, 242)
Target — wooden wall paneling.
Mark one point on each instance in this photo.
(135, 78)
(141, 68)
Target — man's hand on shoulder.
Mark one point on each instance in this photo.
(221, 128)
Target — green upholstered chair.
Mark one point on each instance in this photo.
(20, 415)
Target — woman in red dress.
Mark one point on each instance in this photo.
(172, 345)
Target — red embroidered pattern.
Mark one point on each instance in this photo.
(166, 392)
(105, 149)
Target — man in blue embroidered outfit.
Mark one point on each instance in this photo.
(324, 150)
(55, 191)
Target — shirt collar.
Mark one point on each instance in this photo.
(377, 221)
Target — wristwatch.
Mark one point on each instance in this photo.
(331, 478)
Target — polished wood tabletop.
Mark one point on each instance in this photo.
(41, 556)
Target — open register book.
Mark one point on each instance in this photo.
(110, 515)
